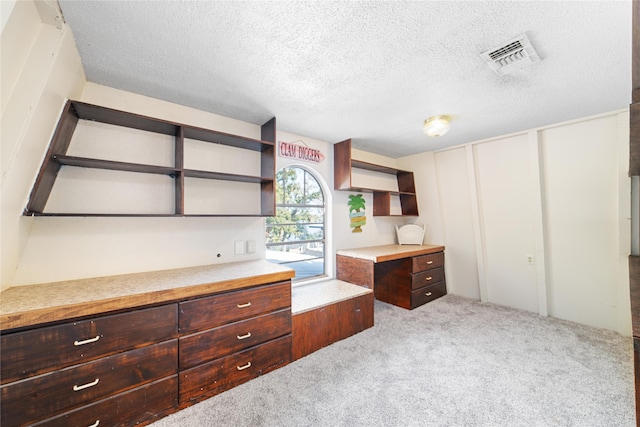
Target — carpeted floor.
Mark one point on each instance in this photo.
(452, 362)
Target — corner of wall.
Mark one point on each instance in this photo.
(46, 70)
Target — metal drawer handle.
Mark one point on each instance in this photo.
(242, 368)
(428, 294)
(242, 337)
(428, 278)
(429, 262)
(87, 385)
(96, 424)
(244, 305)
(87, 341)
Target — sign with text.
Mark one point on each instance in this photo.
(300, 151)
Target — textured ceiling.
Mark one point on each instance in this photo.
(371, 71)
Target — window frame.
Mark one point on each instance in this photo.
(324, 206)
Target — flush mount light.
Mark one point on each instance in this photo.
(437, 125)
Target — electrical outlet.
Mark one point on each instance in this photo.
(530, 259)
(251, 246)
(239, 247)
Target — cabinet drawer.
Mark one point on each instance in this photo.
(428, 293)
(224, 340)
(222, 374)
(216, 310)
(426, 278)
(50, 394)
(145, 403)
(426, 262)
(45, 349)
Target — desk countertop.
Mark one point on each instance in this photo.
(389, 252)
(22, 306)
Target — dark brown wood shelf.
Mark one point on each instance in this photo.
(75, 111)
(343, 165)
(113, 165)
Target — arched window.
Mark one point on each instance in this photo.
(296, 235)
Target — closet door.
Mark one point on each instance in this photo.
(505, 199)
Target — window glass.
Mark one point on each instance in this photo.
(295, 235)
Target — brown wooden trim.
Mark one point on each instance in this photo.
(381, 203)
(634, 139)
(635, 43)
(178, 181)
(342, 165)
(49, 169)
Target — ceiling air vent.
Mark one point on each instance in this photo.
(510, 56)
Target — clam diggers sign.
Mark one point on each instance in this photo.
(298, 150)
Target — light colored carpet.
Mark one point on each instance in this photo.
(452, 362)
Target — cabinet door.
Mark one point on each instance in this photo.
(158, 399)
(216, 310)
(222, 374)
(427, 262)
(222, 341)
(426, 278)
(50, 394)
(45, 349)
(428, 293)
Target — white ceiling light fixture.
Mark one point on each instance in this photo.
(436, 126)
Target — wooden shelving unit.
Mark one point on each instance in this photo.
(74, 111)
(342, 178)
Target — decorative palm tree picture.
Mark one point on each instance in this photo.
(356, 213)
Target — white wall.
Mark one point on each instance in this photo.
(40, 68)
(558, 193)
(62, 248)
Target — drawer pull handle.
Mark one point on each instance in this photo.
(242, 337)
(87, 385)
(429, 262)
(96, 424)
(428, 278)
(244, 305)
(88, 341)
(428, 294)
(242, 368)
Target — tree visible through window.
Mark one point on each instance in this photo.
(295, 235)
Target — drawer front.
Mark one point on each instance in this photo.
(125, 409)
(56, 392)
(222, 341)
(428, 293)
(222, 374)
(29, 353)
(216, 310)
(427, 262)
(426, 278)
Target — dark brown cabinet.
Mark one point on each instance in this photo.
(240, 336)
(136, 366)
(410, 282)
(407, 276)
(342, 178)
(52, 371)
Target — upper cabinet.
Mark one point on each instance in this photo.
(343, 180)
(106, 162)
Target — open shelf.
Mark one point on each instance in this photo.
(74, 111)
(342, 173)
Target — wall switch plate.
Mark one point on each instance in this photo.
(251, 246)
(530, 259)
(239, 247)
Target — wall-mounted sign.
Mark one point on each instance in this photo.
(357, 217)
(300, 151)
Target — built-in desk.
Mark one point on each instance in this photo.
(404, 275)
